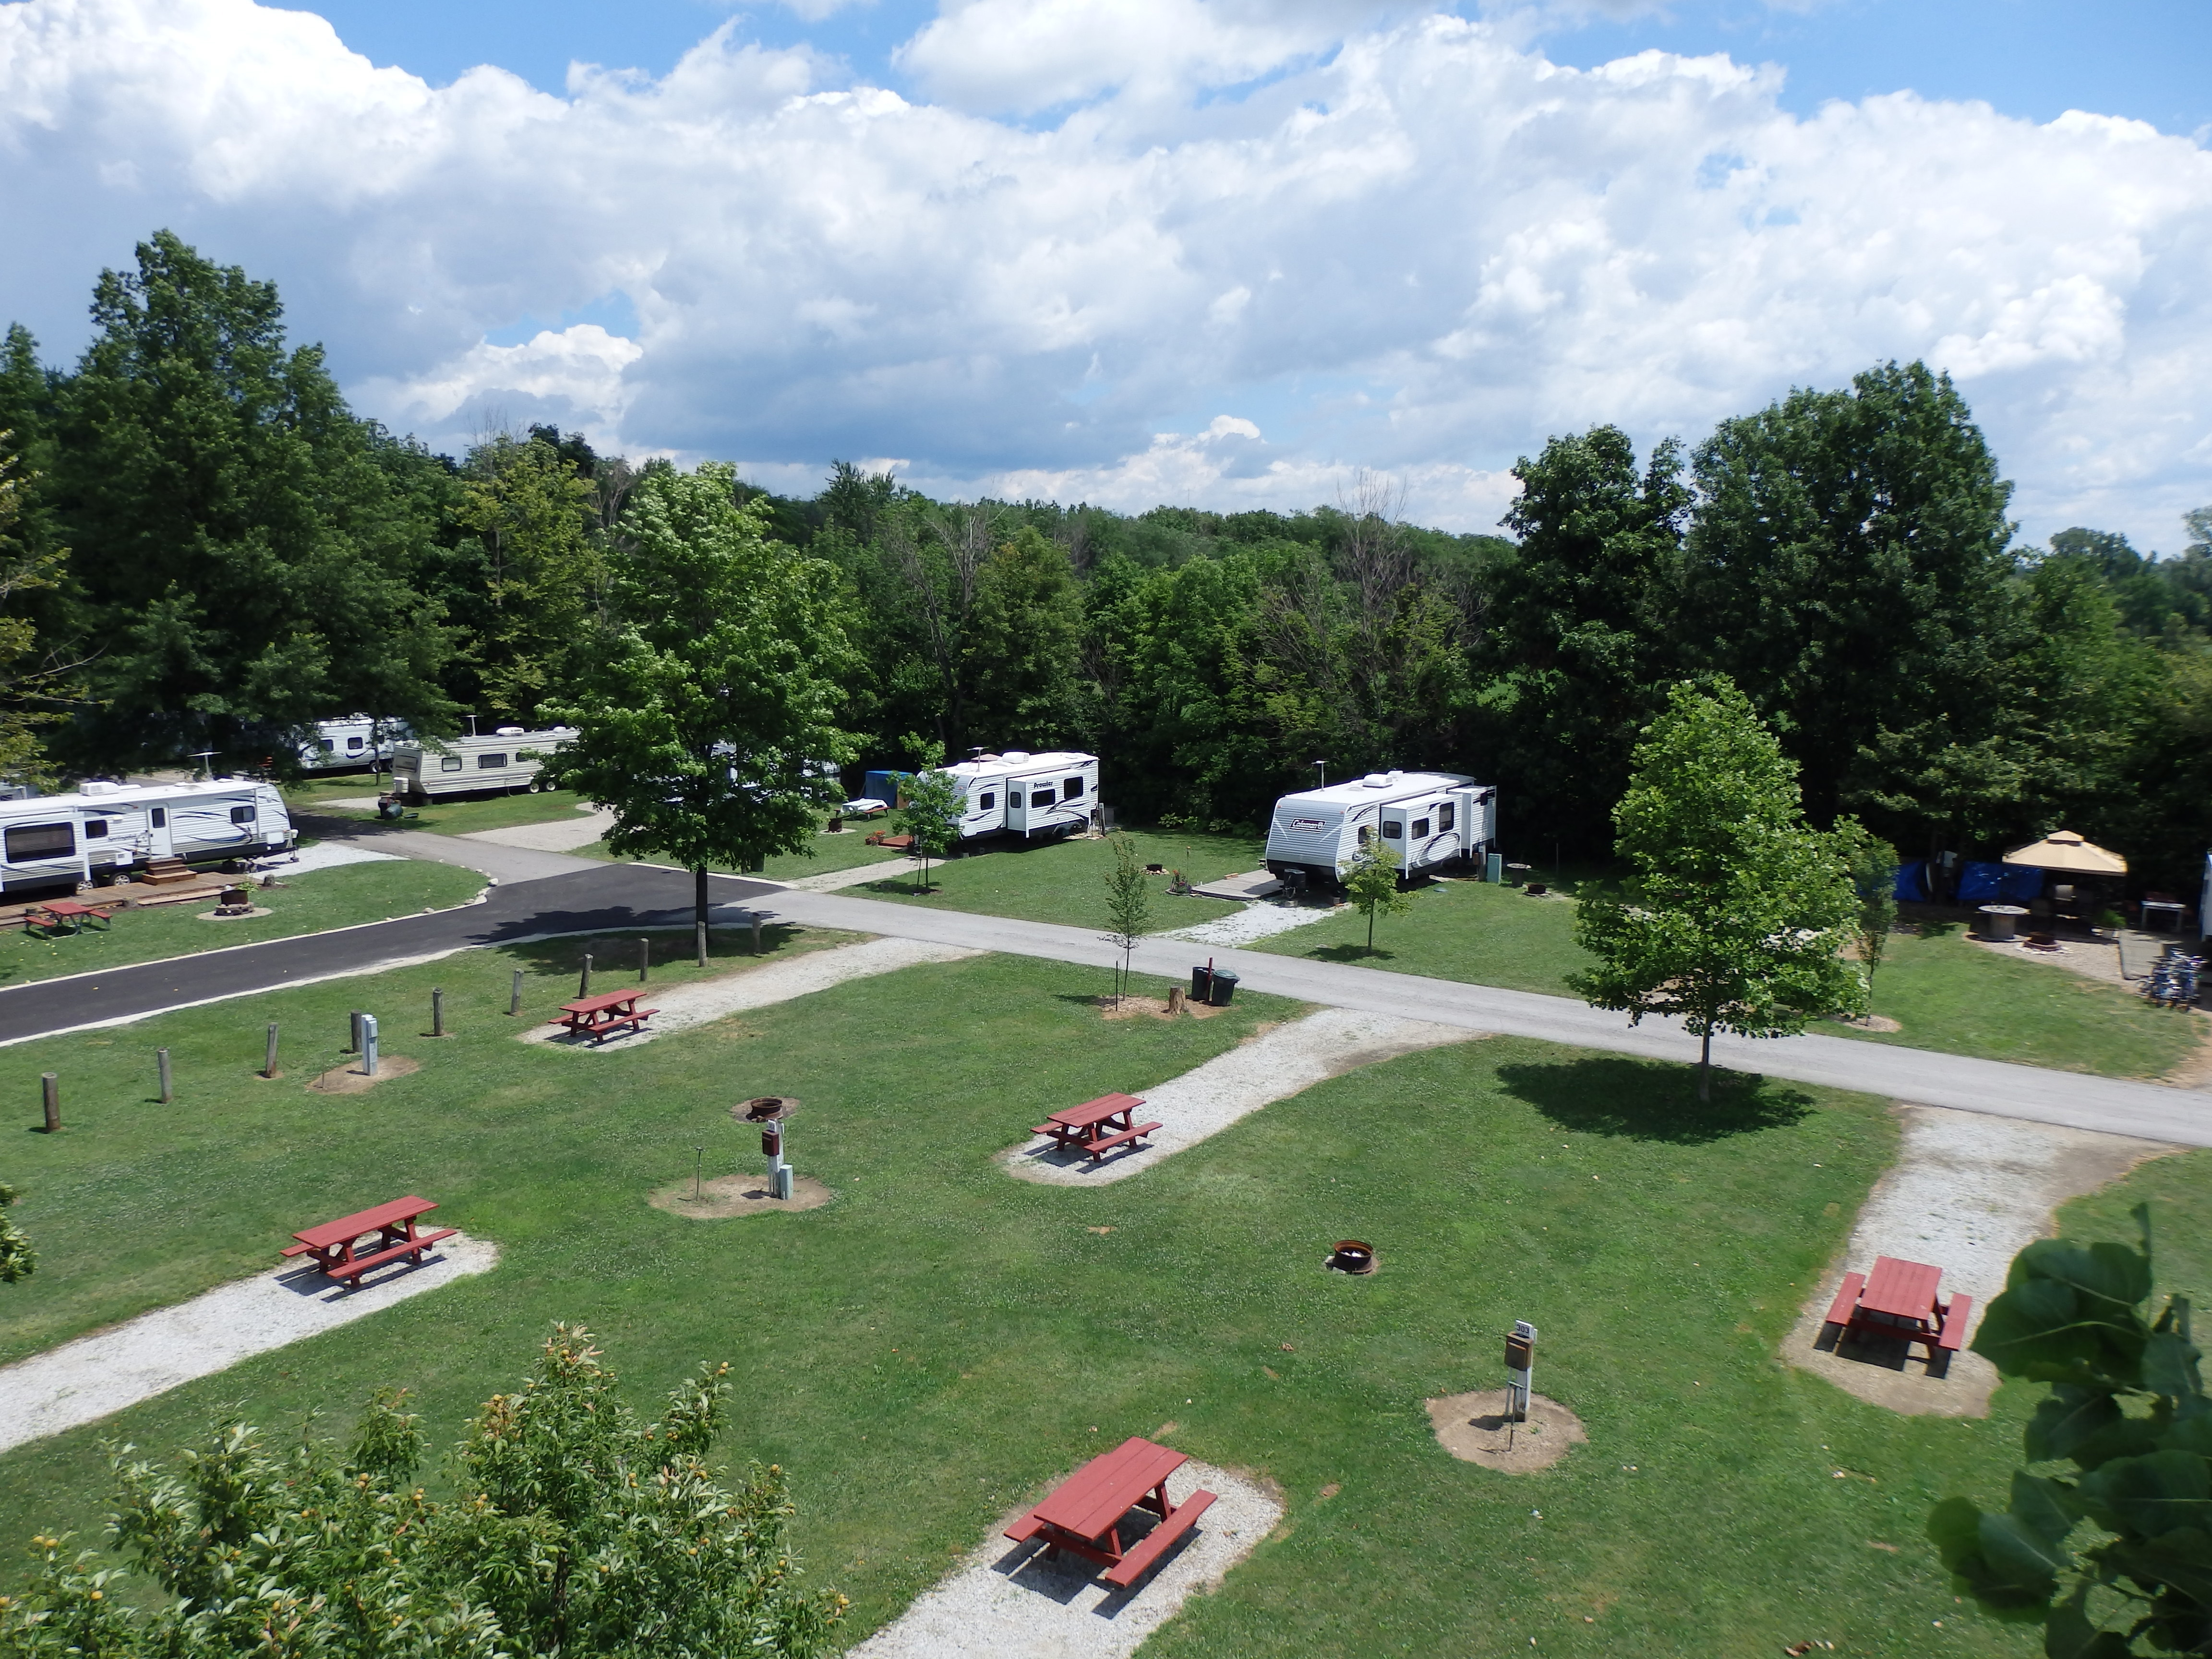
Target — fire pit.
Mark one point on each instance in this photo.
(764, 1108)
(1353, 1255)
(233, 901)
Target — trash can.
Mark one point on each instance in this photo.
(1224, 987)
(1202, 984)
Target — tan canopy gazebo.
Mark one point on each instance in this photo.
(2063, 850)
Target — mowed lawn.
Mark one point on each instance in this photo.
(1065, 881)
(1945, 991)
(846, 850)
(941, 1342)
(319, 899)
(461, 816)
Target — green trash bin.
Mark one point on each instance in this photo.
(1223, 988)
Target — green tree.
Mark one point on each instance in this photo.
(930, 804)
(33, 681)
(2127, 1408)
(1872, 864)
(18, 1260)
(241, 558)
(1025, 646)
(1370, 882)
(1128, 907)
(574, 1529)
(710, 698)
(545, 576)
(1736, 910)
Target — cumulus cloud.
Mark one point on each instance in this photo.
(1357, 235)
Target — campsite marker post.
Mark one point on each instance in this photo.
(1520, 1363)
(779, 1172)
(50, 1092)
(367, 1045)
(515, 996)
(161, 1060)
(269, 1063)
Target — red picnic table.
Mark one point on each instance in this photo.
(1898, 1299)
(600, 1016)
(1096, 1125)
(332, 1243)
(54, 912)
(1084, 1513)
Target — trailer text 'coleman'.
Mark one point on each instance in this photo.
(1427, 818)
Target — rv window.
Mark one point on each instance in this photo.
(1446, 816)
(353, 745)
(1366, 834)
(1070, 789)
(158, 817)
(327, 745)
(490, 763)
(1392, 830)
(990, 799)
(1041, 798)
(449, 763)
(1420, 828)
(40, 841)
(241, 815)
(96, 830)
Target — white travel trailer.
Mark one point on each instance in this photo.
(105, 831)
(463, 766)
(1019, 793)
(1427, 818)
(351, 743)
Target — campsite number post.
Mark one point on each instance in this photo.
(1520, 1362)
(779, 1172)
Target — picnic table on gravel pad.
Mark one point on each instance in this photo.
(1897, 1300)
(1098, 1125)
(332, 1243)
(1084, 1513)
(600, 1016)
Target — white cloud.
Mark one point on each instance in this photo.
(1376, 238)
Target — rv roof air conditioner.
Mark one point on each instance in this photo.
(1375, 781)
(507, 732)
(1016, 755)
(99, 786)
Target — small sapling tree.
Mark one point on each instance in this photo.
(930, 804)
(18, 1259)
(1371, 881)
(1872, 862)
(1128, 907)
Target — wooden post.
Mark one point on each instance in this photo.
(352, 1032)
(269, 1064)
(644, 959)
(437, 1012)
(49, 1087)
(754, 916)
(162, 1059)
(584, 985)
(1174, 999)
(515, 996)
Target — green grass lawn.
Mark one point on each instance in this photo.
(1944, 992)
(1065, 881)
(309, 903)
(941, 1342)
(844, 851)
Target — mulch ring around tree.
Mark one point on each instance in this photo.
(1132, 1007)
(1472, 1428)
(727, 1197)
(352, 1081)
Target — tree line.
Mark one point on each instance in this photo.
(208, 551)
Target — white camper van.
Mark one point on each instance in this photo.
(462, 766)
(104, 830)
(1019, 793)
(1427, 818)
(351, 743)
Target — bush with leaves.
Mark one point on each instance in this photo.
(576, 1530)
(18, 1259)
(2127, 1409)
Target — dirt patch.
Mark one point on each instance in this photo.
(727, 1197)
(1472, 1428)
(1154, 1008)
(1967, 1193)
(1870, 1022)
(352, 1081)
(2196, 1070)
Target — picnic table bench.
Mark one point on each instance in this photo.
(332, 1243)
(600, 1016)
(1898, 1299)
(1096, 1126)
(1084, 1513)
(50, 914)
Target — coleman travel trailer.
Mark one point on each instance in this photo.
(105, 831)
(463, 766)
(1015, 794)
(1427, 818)
(352, 744)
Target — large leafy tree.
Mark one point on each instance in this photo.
(709, 707)
(531, 509)
(1736, 911)
(1847, 566)
(2113, 1556)
(242, 560)
(574, 1529)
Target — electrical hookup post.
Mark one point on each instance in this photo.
(779, 1172)
(1520, 1364)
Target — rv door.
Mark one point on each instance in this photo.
(1017, 806)
(161, 839)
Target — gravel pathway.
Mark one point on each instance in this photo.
(83, 1381)
(683, 1006)
(830, 880)
(1007, 1601)
(1968, 1194)
(561, 836)
(1254, 922)
(323, 855)
(1272, 1066)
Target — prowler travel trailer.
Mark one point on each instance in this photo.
(352, 744)
(1427, 818)
(464, 766)
(104, 830)
(1015, 794)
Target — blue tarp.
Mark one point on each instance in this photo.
(1909, 888)
(1999, 883)
(2021, 882)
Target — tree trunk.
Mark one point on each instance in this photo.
(1705, 1068)
(1371, 930)
(698, 910)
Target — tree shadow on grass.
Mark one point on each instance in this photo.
(615, 955)
(1350, 953)
(1654, 1100)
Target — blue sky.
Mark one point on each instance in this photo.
(1216, 252)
